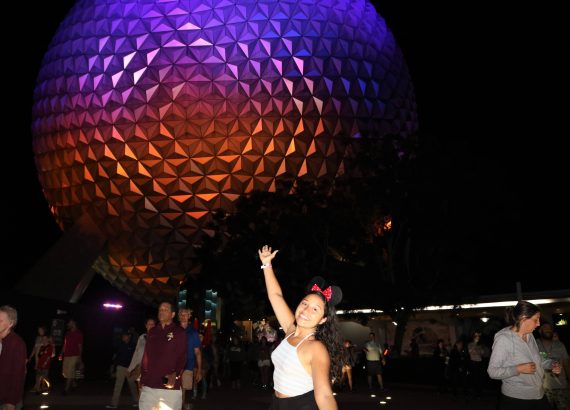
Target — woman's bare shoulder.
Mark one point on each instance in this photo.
(316, 346)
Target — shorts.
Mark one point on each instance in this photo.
(151, 399)
(303, 402)
(187, 379)
(69, 366)
(373, 367)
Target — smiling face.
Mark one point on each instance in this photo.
(310, 312)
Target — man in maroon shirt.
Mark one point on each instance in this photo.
(12, 360)
(163, 362)
(71, 353)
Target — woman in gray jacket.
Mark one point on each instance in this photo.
(515, 360)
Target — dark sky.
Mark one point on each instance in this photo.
(486, 80)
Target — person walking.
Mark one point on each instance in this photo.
(163, 362)
(136, 361)
(192, 373)
(122, 360)
(44, 355)
(71, 355)
(374, 360)
(348, 362)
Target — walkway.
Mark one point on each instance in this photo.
(92, 395)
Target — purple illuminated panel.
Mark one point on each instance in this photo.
(149, 115)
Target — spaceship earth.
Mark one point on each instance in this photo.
(149, 115)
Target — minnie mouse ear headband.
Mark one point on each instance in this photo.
(332, 294)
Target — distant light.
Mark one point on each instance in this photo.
(484, 319)
(343, 312)
(395, 323)
(496, 304)
(562, 322)
(112, 306)
(334, 393)
(45, 393)
(383, 402)
(372, 395)
(388, 397)
(44, 406)
(466, 306)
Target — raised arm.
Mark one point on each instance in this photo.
(284, 314)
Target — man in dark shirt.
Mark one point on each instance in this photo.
(12, 360)
(163, 362)
(122, 361)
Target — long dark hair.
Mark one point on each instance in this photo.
(523, 310)
(328, 332)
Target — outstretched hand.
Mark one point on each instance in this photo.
(266, 255)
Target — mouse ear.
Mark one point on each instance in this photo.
(316, 280)
(336, 296)
(336, 292)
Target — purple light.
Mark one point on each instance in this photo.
(149, 115)
(112, 306)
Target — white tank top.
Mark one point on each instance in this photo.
(290, 377)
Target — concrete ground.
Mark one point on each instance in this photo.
(96, 394)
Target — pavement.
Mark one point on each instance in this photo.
(94, 395)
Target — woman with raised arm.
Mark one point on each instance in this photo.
(309, 357)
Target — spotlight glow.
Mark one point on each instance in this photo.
(112, 306)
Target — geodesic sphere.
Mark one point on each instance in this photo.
(149, 115)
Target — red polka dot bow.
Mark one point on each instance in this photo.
(327, 293)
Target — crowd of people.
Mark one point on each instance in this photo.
(533, 371)
(178, 360)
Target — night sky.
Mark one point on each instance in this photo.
(486, 82)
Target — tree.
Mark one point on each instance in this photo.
(374, 231)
